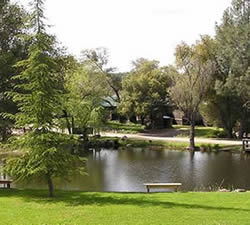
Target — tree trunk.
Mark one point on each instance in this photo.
(50, 185)
(68, 125)
(142, 120)
(244, 124)
(85, 134)
(242, 128)
(65, 115)
(229, 132)
(73, 124)
(132, 119)
(152, 121)
(191, 135)
(4, 134)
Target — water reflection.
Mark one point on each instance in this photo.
(127, 170)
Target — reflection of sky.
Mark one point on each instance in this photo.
(127, 170)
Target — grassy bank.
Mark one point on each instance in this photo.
(171, 145)
(73, 208)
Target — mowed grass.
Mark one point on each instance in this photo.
(201, 132)
(19, 207)
(124, 127)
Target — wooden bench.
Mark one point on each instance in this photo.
(8, 182)
(174, 186)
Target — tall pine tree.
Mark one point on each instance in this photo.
(38, 97)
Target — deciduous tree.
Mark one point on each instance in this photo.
(84, 97)
(191, 83)
(97, 59)
(144, 91)
(230, 51)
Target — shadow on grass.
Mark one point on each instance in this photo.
(167, 132)
(104, 199)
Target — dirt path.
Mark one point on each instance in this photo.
(160, 137)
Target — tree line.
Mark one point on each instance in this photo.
(43, 88)
(210, 77)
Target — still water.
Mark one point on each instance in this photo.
(127, 170)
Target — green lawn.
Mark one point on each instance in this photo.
(124, 127)
(31, 207)
(200, 131)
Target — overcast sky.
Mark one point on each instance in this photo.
(130, 29)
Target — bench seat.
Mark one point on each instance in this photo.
(8, 182)
(174, 186)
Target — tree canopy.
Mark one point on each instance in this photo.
(144, 91)
(12, 49)
(230, 51)
(38, 96)
(191, 83)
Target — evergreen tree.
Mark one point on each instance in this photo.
(12, 49)
(39, 102)
(38, 95)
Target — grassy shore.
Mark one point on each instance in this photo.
(170, 145)
(200, 131)
(178, 130)
(182, 130)
(72, 208)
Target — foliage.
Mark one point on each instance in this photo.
(144, 91)
(97, 60)
(38, 96)
(42, 155)
(230, 52)
(39, 100)
(97, 119)
(12, 49)
(84, 97)
(191, 84)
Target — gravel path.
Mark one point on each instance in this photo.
(148, 136)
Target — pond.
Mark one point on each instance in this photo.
(127, 170)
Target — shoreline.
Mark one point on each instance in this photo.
(147, 136)
(172, 143)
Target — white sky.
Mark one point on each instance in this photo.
(130, 29)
